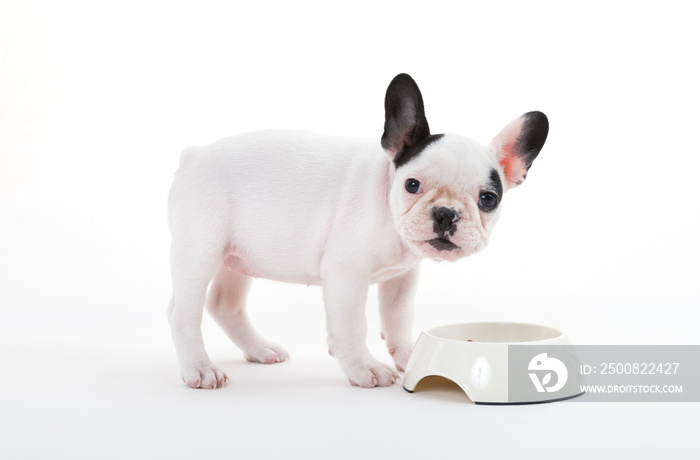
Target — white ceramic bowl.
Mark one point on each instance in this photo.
(476, 355)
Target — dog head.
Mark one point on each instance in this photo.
(447, 189)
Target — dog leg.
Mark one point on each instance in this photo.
(345, 300)
(396, 313)
(192, 270)
(226, 304)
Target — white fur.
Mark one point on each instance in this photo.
(306, 208)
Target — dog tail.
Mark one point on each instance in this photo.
(186, 155)
(185, 159)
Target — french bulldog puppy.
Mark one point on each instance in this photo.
(341, 213)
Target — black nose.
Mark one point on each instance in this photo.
(445, 219)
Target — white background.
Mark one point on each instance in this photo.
(97, 101)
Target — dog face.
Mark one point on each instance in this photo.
(447, 189)
(445, 201)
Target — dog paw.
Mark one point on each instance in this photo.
(400, 356)
(204, 376)
(266, 353)
(370, 374)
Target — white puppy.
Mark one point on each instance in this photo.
(338, 212)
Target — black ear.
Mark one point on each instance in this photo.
(405, 124)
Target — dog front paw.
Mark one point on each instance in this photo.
(370, 373)
(400, 356)
(203, 375)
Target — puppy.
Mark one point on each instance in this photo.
(341, 213)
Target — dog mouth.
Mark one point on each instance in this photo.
(442, 244)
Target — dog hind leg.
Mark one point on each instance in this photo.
(192, 271)
(226, 304)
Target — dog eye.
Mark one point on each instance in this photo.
(488, 201)
(413, 186)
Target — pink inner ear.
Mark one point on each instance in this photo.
(514, 168)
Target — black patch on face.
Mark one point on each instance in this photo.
(490, 196)
(533, 135)
(495, 183)
(409, 153)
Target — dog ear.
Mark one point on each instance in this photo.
(405, 124)
(519, 143)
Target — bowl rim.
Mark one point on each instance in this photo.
(559, 333)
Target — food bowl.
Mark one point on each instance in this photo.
(498, 362)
